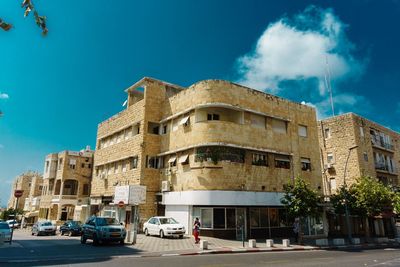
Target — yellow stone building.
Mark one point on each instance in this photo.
(66, 186)
(369, 148)
(30, 183)
(215, 150)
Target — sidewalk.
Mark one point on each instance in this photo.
(155, 246)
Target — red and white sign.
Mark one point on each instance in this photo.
(18, 193)
(121, 204)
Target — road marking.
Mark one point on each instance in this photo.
(169, 255)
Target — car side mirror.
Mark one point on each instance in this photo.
(121, 223)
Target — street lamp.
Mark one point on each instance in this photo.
(346, 209)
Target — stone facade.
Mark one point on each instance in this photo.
(375, 153)
(212, 136)
(66, 185)
(30, 182)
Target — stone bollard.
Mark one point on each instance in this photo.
(252, 243)
(355, 241)
(285, 243)
(203, 244)
(270, 243)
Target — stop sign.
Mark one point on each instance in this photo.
(121, 204)
(18, 193)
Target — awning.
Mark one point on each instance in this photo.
(305, 160)
(172, 159)
(281, 158)
(32, 214)
(183, 159)
(184, 120)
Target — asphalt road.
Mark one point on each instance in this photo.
(67, 251)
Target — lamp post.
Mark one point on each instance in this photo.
(346, 209)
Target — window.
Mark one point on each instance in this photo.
(302, 131)
(327, 133)
(279, 126)
(218, 153)
(133, 163)
(108, 169)
(282, 161)
(115, 166)
(257, 121)
(206, 218)
(305, 164)
(365, 156)
(273, 217)
(153, 162)
(72, 164)
(126, 132)
(153, 128)
(184, 159)
(60, 163)
(332, 184)
(329, 158)
(136, 129)
(123, 166)
(47, 165)
(230, 218)
(89, 165)
(212, 117)
(258, 217)
(85, 189)
(164, 128)
(172, 161)
(82, 165)
(219, 218)
(185, 121)
(259, 159)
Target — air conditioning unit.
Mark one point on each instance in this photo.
(165, 186)
(328, 166)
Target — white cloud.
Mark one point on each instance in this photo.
(4, 96)
(291, 56)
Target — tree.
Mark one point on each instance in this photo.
(29, 7)
(7, 213)
(338, 201)
(300, 200)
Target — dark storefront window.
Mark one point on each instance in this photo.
(230, 218)
(219, 218)
(273, 217)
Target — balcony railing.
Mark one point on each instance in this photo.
(378, 141)
(384, 167)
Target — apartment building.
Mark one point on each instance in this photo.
(215, 150)
(66, 185)
(32, 202)
(369, 148)
(24, 182)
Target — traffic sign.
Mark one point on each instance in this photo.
(18, 193)
(121, 204)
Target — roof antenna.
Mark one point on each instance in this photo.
(328, 84)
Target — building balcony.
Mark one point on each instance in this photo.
(64, 199)
(378, 142)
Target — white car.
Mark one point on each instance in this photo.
(44, 227)
(13, 223)
(5, 231)
(163, 226)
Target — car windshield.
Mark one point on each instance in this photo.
(74, 223)
(46, 224)
(168, 221)
(4, 226)
(106, 221)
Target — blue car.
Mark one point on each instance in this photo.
(71, 228)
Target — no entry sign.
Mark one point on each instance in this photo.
(18, 193)
(121, 204)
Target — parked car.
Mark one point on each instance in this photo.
(6, 231)
(44, 227)
(71, 228)
(163, 226)
(13, 223)
(103, 229)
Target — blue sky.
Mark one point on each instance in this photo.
(54, 90)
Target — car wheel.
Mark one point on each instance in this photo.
(95, 240)
(61, 233)
(146, 232)
(38, 233)
(70, 233)
(33, 233)
(181, 236)
(122, 242)
(83, 239)
(162, 234)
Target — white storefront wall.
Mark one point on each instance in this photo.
(179, 205)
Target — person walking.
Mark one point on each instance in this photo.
(296, 230)
(196, 230)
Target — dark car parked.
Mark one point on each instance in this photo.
(103, 229)
(71, 228)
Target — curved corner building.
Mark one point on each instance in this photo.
(215, 150)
